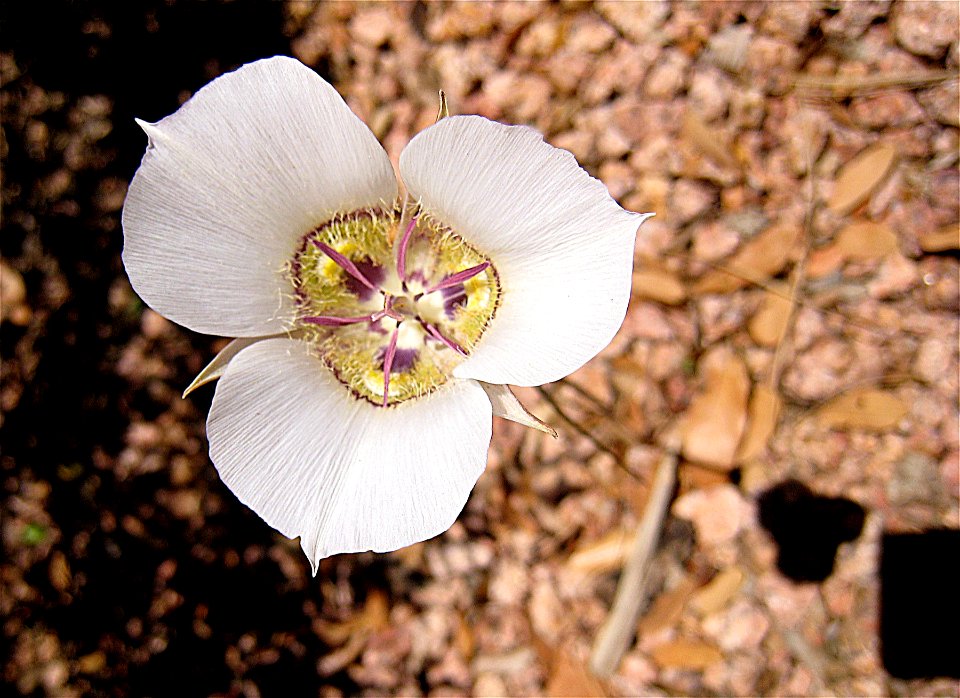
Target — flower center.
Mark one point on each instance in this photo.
(392, 312)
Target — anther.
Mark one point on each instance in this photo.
(331, 321)
(435, 333)
(458, 278)
(345, 264)
(402, 250)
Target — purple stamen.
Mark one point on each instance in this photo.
(345, 264)
(402, 252)
(388, 364)
(458, 278)
(331, 321)
(435, 333)
(373, 273)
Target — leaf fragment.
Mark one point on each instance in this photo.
(569, 678)
(942, 239)
(658, 285)
(768, 323)
(762, 416)
(864, 240)
(717, 592)
(602, 555)
(686, 654)
(759, 259)
(667, 609)
(861, 176)
(505, 404)
(715, 420)
(707, 139)
(866, 408)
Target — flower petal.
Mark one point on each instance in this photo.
(562, 246)
(296, 447)
(229, 184)
(505, 404)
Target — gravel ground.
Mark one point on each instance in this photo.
(793, 333)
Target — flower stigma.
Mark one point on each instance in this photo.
(390, 305)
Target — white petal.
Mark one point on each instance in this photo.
(230, 183)
(505, 404)
(292, 443)
(562, 246)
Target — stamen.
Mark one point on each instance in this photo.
(345, 264)
(435, 333)
(458, 278)
(402, 251)
(388, 364)
(331, 321)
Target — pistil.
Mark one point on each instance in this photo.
(388, 365)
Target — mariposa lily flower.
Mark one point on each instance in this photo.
(376, 333)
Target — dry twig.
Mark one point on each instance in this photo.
(617, 631)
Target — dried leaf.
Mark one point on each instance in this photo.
(768, 323)
(13, 293)
(860, 177)
(717, 592)
(666, 609)
(762, 418)
(569, 678)
(864, 240)
(707, 140)
(374, 616)
(693, 476)
(59, 571)
(716, 418)
(942, 239)
(444, 111)
(603, 555)
(463, 639)
(759, 259)
(686, 654)
(843, 86)
(823, 261)
(92, 663)
(658, 285)
(867, 408)
(505, 404)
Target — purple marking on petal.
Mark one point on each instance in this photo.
(345, 264)
(388, 365)
(453, 298)
(372, 272)
(404, 360)
(331, 321)
(458, 278)
(402, 251)
(419, 277)
(435, 333)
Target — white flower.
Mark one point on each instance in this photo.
(374, 339)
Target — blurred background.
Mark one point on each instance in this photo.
(793, 331)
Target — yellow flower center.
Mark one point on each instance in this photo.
(391, 311)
